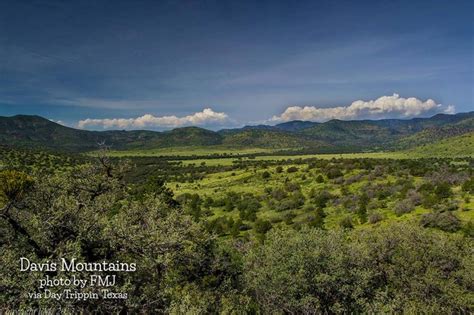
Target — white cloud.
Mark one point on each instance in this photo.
(58, 122)
(384, 107)
(206, 117)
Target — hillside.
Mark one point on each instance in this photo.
(36, 131)
(269, 138)
(32, 131)
(334, 135)
(450, 147)
(390, 133)
(432, 134)
(360, 134)
(353, 136)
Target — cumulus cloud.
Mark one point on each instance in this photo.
(205, 117)
(384, 107)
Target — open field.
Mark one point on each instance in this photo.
(187, 151)
(371, 155)
(460, 146)
(205, 155)
(288, 189)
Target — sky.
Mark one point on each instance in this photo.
(165, 64)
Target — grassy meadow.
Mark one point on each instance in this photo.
(259, 181)
(221, 184)
(188, 151)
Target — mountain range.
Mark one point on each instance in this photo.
(331, 136)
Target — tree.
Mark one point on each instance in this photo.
(446, 221)
(320, 179)
(228, 204)
(262, 226)
(195, 207)
(235, 230)
(333, 173)
(346, 223)
(404, 206)
(368, 271)
(156, 186)
(321, 199)
(362, 209)
(317, 221)
(88, 214)
(375, 217)
(468, 185)
(443, 190)
(266, 175)
(14, 185)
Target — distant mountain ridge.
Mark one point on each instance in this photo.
(335, 135)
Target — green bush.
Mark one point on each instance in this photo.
(375, 217)
(443, 190)
(333, 173)
(403, 207)
(266, 175)
(262, 226)
(346, 223)
(446, 221)
(376, 271)
(468, 185)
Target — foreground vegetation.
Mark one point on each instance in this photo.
(255, 236)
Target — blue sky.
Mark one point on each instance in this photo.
(246, 61)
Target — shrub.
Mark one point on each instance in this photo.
(262, 226)
(346, 223)
(320, 179)
(322, 198)
(317, 221)
(289, 218)
(447, 205)
(333, 173)
(248, 202)
(374, 271)
(403, 206)
(13, 185)
(292, 169)
(375, 217)
(415, 197)
(382, 192)
(468, 229)
(468, 185)
(292, 186)
(279, 194)
(443, 190)
(294, 201)
(445, 221)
